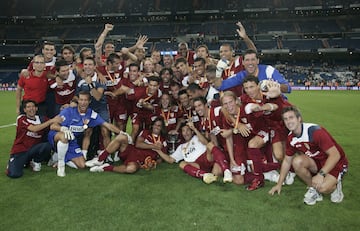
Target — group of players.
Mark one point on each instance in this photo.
(223, 118)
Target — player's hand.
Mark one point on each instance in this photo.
(244, 130)
(141, 41)
(109, 27)
(317, 181)
(273, 89)
(241, 31)
(276, 188)
(221, 66)
(67, 133)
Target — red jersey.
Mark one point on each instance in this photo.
(171, 116)
(35, 87)
(25, 139)
(150, 138)
(64, 93)
(314, 141)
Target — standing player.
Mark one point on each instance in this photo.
(29, 144)
(34, 85)
(321, 163)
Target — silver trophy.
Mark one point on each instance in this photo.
(172, 140)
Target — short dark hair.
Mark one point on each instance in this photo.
(111, 58)
(68, 47)
(193, 87)
(251, 78)
(25, 102)
(201, 99)
(154, 78)
(166, 69)
(60, 63)
(251, 51)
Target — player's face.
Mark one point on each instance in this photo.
(156, 56)
(140, 54)
(133, 73)
(83, 103)
(175, 91)
(109, 48)
(251, 63)
(201, 52)
(183, 51)
(48, 51)
(68, 56)
(200, 108)
(187, 133)
(30, 110)
(167, 61)
(199, 68)
(156, 128)
(165, 101)
(251, 89)
(292, 122)
(153, 87)
(184, 100)
(39, 64)
(115, 65)
(165, 76)
(182, 68)
(148, 66)
(226, 52)
(64, 72)
(229, 104)
(89, 67)
(87, 54)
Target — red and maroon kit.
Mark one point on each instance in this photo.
(314, 142)
(171, 116)
(25, 139)
(66, 92)
(140, 114)
(114, 80)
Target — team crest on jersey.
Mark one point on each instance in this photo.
(244, 120)
(117, 75)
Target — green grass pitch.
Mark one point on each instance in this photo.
(168, 199)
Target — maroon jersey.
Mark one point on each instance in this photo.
(35, 87)
(170, 116)
(314, 141)
(64, 93)
(150, 138)
(234, 67)
(25, 139)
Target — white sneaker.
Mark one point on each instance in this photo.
(93, 162)
(99, 168)
(53, 160)
(337, 195)
(61, 171)
(209, 178)
(36, 167)
(312, 196)
(227, 176)
(116, 156)
(289, 180)
(272, 176)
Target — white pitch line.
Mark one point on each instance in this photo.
(7, 125)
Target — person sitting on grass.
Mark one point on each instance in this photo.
(144, 154)
(29, 145)
(321, 162)
(199, 158)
